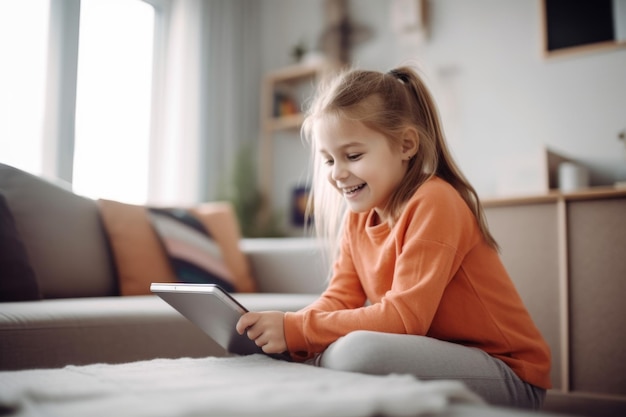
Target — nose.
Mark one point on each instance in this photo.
(339, 171)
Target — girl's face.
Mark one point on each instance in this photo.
(362, 164)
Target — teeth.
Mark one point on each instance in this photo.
(353, 189)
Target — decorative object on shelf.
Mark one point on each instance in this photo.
(572, 177)
(298, 51)
(299, 200)
(284, 104)
(533, 172)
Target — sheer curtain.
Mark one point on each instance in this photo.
(204, 111)
(176, 124)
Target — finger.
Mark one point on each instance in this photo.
(254, 332)
(271, 347)
(246, 321)
(261, 342)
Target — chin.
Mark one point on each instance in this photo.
(358, 208)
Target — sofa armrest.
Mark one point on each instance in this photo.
(286, 265)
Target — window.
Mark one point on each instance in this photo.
(23, 44)
(113, 102)
(113, 93)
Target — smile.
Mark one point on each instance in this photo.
(352, 190)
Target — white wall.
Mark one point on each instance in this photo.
(501, 101)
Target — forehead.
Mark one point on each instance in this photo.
(333, 132)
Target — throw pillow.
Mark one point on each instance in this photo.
(62, 233)
(17, 277)
(138, 255)
(142, 257)
(220, 220)
(192, 252)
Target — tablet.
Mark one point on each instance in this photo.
(213, 310)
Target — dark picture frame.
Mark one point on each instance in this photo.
(582, 26)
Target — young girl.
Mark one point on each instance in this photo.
(417, 285)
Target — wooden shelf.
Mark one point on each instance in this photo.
(290, 122)
(556, 195)
(283, 93)
(293, 73)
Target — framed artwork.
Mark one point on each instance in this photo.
(582, 26)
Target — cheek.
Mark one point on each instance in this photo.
(328, 174)
(331, 181)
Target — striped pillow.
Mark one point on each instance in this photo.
(193, 253)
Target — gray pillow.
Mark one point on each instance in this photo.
(17, 278)
(62, 234)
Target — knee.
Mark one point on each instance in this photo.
(355, 352)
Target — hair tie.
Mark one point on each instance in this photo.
(401, 76)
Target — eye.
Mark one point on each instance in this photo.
(354, 156)
(329, 162)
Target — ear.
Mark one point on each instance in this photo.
(410, 143)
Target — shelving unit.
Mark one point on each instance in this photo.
(284, 93)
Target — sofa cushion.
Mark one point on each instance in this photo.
(288, 265)
(62, 234)
(142, 257)
(17, 278)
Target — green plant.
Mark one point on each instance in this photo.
(243, 193)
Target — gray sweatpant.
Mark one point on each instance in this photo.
(428, 358)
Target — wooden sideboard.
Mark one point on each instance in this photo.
(566, 254)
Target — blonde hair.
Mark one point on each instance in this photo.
(387, 103)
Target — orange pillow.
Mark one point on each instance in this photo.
(141, 258)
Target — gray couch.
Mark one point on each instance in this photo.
(81, 318)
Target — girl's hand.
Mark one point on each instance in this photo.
(266, 329)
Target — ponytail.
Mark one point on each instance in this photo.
(426, 118)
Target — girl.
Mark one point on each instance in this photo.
(417, 285)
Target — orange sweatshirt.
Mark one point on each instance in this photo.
(431, 274)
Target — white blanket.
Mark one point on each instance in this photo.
(238, 386)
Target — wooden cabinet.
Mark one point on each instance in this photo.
(528, 235)
(566, 254)
(597, 292)
(284, 94)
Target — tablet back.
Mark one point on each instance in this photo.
(212, 310)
